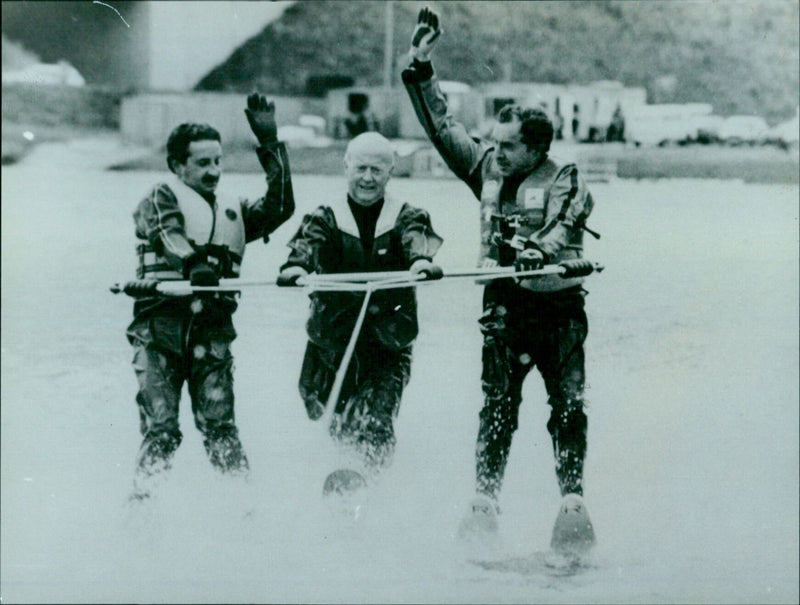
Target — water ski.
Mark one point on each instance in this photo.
(343, 493)
(342, 482)
(573, 534)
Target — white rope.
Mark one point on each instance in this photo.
(336, 389)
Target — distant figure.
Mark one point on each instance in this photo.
(360, 119)
(533, 209)
(189, 232)
(616, 129)
(576, 120)
(596, 134)
(558, 122)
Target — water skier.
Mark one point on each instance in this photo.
(190, 232)
(533, 212)
(366, 230)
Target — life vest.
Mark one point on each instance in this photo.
(391, 314)
(516, 222)
(382, 257)
(217, 231)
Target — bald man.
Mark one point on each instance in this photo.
(367, 230)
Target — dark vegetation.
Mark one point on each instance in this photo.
(742, 57)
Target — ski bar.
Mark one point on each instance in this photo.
(505, 272)
(314, 282)
(353, 281)
(365, 276)
(180, 287)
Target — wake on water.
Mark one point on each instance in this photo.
(543, 563)
(393, 547)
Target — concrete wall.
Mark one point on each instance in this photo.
(149, 118)
(464, 103)
(475, 107)
(596, 102)
(383, 103)
(650, 124)
(393, 109)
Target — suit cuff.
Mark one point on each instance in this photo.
(288, 264)
(191, 261)
(418, 71)
(419, 257)
(545, 256)
(267, 153)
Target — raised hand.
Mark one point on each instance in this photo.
(425, 35)
(261, 115)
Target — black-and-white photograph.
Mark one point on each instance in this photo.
(383, 301)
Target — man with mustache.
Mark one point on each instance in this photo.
(188, 231)
(533, 212)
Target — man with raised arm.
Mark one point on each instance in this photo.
(366, 230)
(189, 232)
(533, 212)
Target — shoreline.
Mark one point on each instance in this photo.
(598, 161)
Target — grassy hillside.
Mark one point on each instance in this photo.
(741, 56)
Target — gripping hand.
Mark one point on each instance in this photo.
(203, 275)
(425, 35)
(426, 268)
(290, 276)
(261, 115)
(529, 260)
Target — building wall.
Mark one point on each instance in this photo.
(464, 103)
(395, 113)
(148, 119)
(596, 102)
(383, 103)
(650, 124)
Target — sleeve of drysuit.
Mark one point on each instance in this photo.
(568, 205)
(267, 213)
(417, 236)
(314, 245)
(463, 154)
